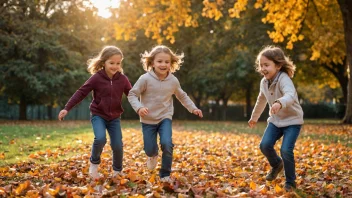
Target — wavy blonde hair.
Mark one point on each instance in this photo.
(276, 55)
(147, 58)
(97, 63)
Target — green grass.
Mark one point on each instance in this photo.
(18, 140)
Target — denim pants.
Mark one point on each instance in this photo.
(113, 127)
(271, 135)
(150, 132)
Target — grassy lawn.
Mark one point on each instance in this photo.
(18, 140)
(222, 157)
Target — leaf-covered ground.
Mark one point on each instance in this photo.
(208, 162)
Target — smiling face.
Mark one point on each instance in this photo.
(162, 64)
(268, 68)
(113, 65)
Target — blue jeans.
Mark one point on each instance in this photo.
(150, 132)
(113, 127)
(270, 137)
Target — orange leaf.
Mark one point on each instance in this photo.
(330, 186)
(278, 189)
(253, 186)
(156, 194)
(123, 181)
(152, 178)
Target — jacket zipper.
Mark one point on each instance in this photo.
(110, 97)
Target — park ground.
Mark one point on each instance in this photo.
(211, 159)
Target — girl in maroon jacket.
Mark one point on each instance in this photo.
(108, 83)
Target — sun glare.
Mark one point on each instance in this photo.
(104, 5)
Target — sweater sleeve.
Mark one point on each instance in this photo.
(128, 87)
(259, 106)
(184, 98)
(80, 94)
(138, 88)
(288, 90)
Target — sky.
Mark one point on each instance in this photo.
(103, 6)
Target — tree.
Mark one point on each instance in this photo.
(42, 51)
(319, 21)
(346, 9)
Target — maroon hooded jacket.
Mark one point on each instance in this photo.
(107, 94)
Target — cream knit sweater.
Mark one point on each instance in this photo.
(156, 95)
(283, 90)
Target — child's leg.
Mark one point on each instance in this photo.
(99, 129)
(149, 139)
(114, 130)
(288, 144)
(165, 131)
(271, 135)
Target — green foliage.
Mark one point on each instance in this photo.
(42, 51)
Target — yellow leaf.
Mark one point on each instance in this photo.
(278, 189)
(57, 179)
(253, 186)
(152, 178)
(123, 181)
(330, 186)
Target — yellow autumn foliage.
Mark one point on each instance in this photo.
(293, 20)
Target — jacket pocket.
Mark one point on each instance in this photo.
(104, 105)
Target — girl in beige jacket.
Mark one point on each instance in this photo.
(285, 114)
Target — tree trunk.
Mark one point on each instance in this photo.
(23, 108)
(346, 9)
(340, 72)
(343, 80)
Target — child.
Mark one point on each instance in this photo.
(285, 116)
(155, 108)
(108, 84)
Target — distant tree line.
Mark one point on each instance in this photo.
(44, 46)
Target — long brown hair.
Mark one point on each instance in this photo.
(97, 63)
(276, 55)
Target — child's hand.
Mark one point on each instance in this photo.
(198, 112)
(275, 108)
(143, 111)
(251, 123)
(62, 114)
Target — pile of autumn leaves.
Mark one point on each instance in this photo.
(206, 164)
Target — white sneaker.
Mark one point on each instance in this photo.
(151, 162)
(167, 179)
(116, 173)
(93, 171)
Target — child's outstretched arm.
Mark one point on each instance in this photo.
(258, 109)
(78, 96)
(251, 123)
(198, 112)
(62, 114)
(186, 101)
